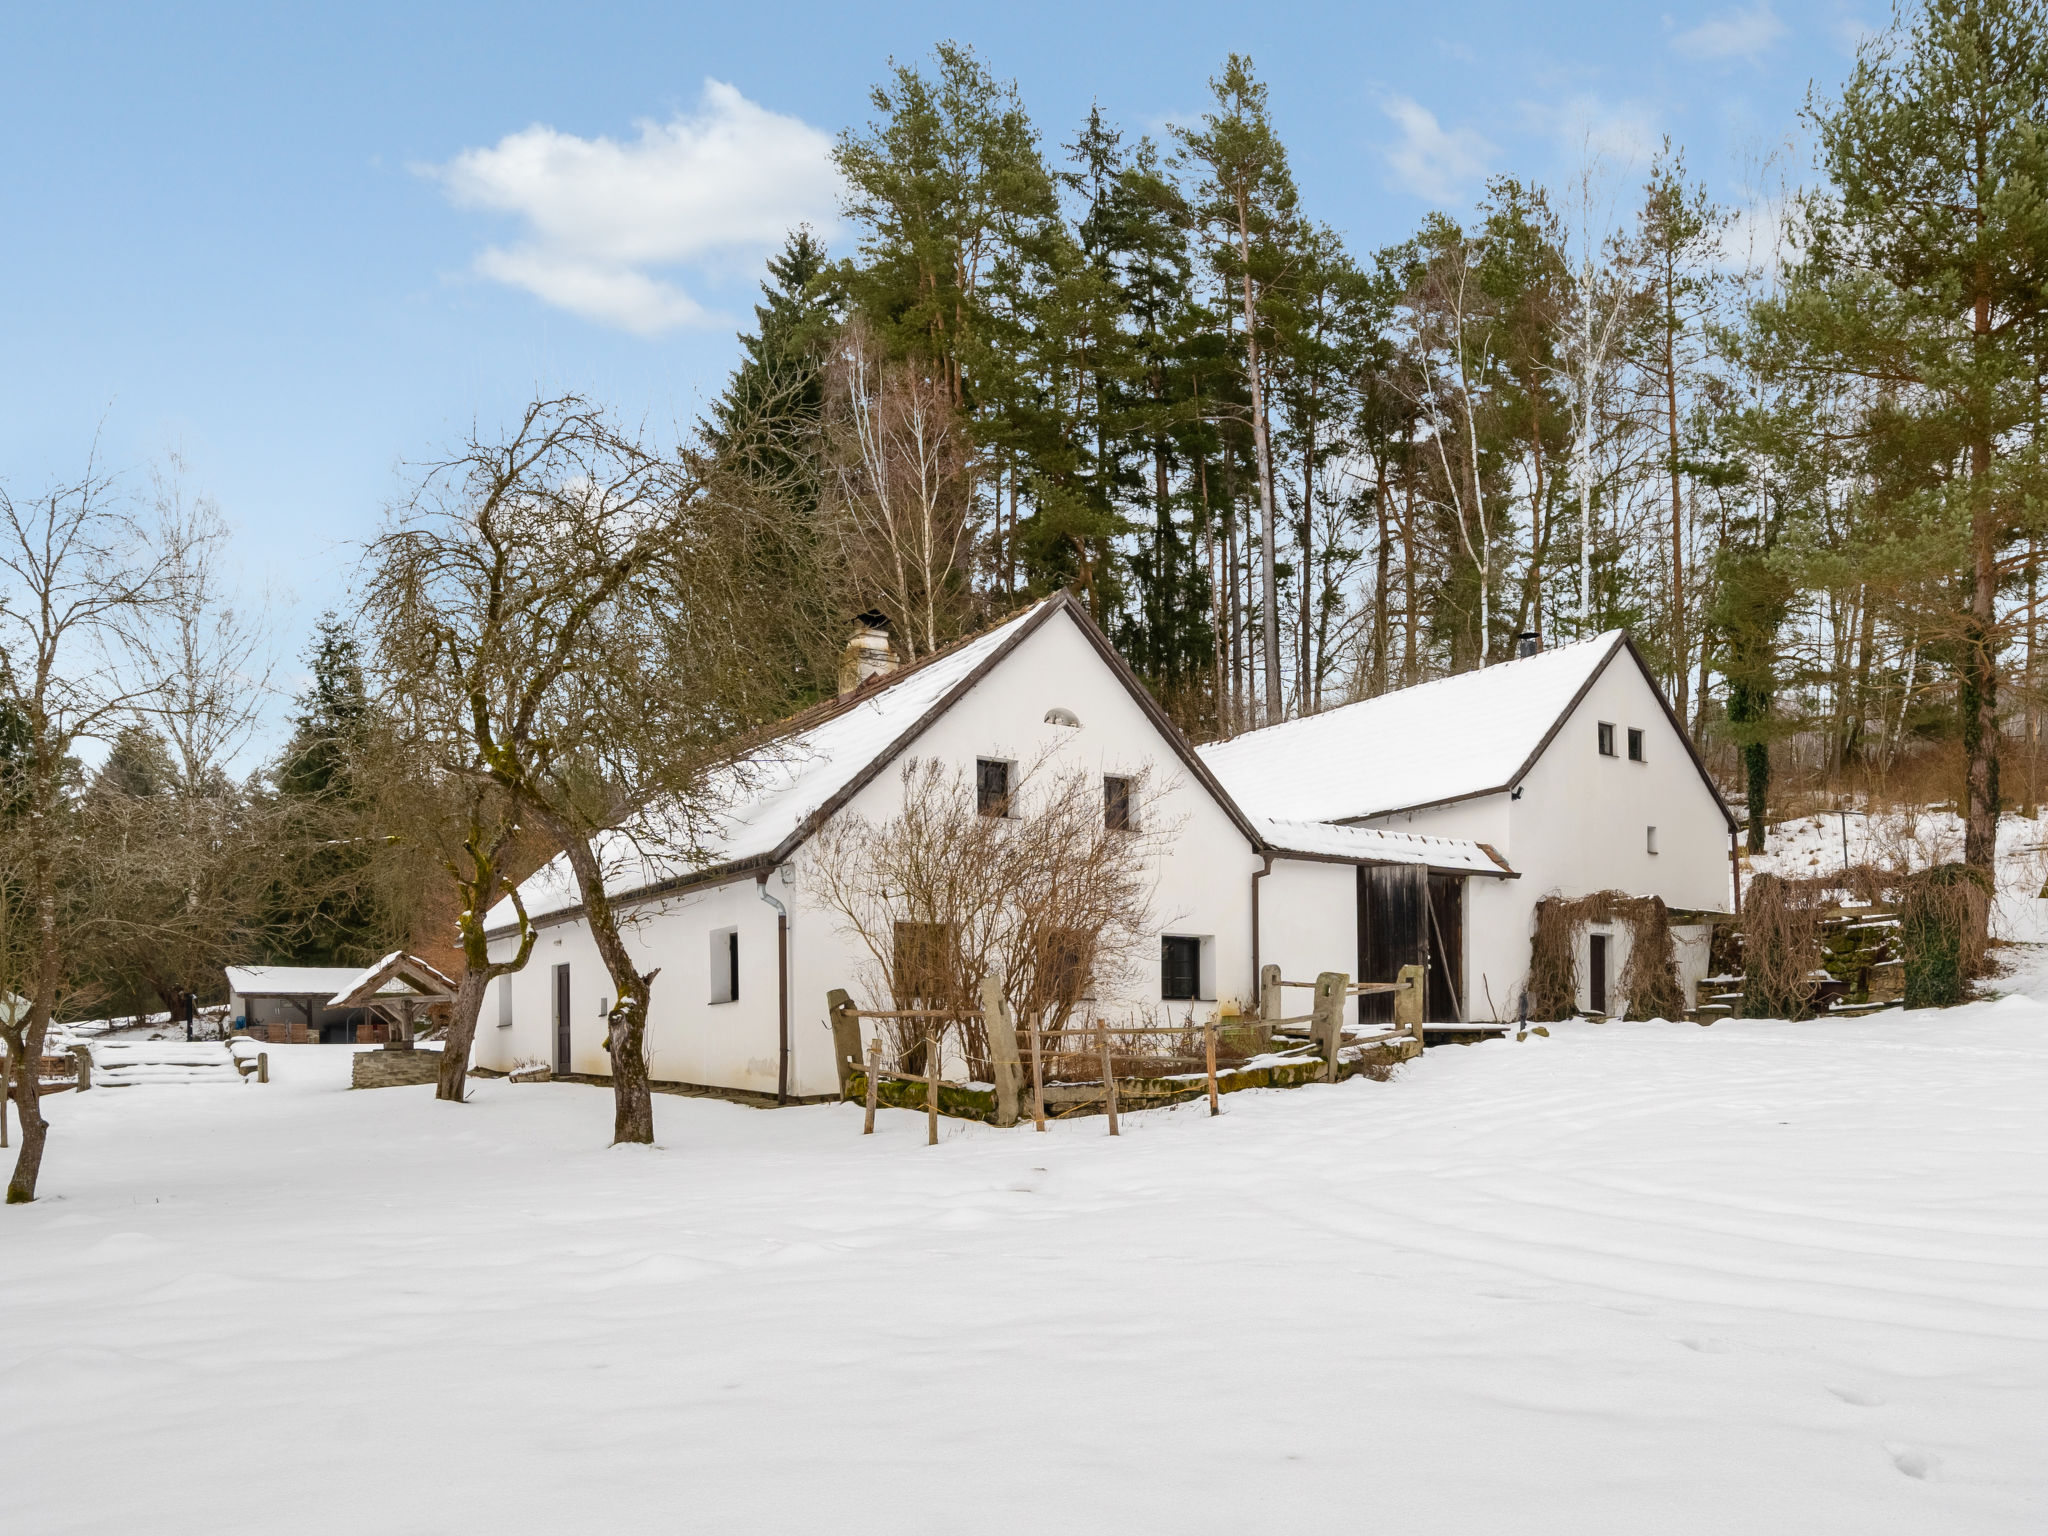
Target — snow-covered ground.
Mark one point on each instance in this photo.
(1630, 1278)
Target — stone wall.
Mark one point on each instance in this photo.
(394, 1069)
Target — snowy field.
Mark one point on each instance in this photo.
(1631, 1278)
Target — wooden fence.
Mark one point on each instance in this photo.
(1327, 1034)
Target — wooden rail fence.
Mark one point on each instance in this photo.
(1327, 1033)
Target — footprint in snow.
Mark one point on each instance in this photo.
(1916, 1464)
(1856, 1399)
(1706, 1346)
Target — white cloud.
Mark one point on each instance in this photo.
(1431, 160)
(1744, 34)
(606, 220)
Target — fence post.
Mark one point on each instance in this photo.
(931, 1089)
(1037, 1072)
(1000, 1025)
(1108, 1073)
(263, 1066)
(1209, 1046)
(1332, 989)
(874, 1082)
(1409, 1001)
(1272, 1004)
(845, 1036)
(83, 1056)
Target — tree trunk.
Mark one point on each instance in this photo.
(35, 1130)
(1269, 596)
(1678, 635)
(626, 1027)
(1380, 638)
(469, 1001)
(1979, 691)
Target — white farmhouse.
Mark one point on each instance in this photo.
(1567, 765)
(747, 954)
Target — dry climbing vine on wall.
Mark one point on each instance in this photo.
(1783, 922)
(1649, 982)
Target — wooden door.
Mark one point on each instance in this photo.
(1596, 972)
(1393, 930)
(1446, 948)
(561, 1019)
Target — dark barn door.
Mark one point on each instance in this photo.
(1446, 948)
(1596, 957)
(1393, 930)
(562, 1018)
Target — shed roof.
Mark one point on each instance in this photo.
(1452, 739)
(321, 981)
(1370, 845)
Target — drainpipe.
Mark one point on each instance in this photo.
(781, 989)
(1735, 866)
(1257, 876)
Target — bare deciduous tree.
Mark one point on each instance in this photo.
(80, 574)
(593, 623)
(898, 489)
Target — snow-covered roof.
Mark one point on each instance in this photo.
(398, 974)
(289, 980)
(1446, 740)
(770, 797)
(1326, 840)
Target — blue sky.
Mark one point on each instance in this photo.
(306, 246)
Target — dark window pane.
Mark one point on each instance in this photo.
(732, 962)
(1606, 739)
(1180, 968)
(992, 786)
(1116, 804)
(1635, 745)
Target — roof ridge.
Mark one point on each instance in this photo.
(1610, 635)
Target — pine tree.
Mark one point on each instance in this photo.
(767, 420)
(1925, 274)
(322, 907)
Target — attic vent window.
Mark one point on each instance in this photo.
(991, 786)
(1059, 716)
(1606, 738)
(1635, 745)
(1652, 840)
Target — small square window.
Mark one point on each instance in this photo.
(1606, 739)
(1651, 841)
(1635, 745)
(1117, 809)
(991, 786)
(1180, 968)
(725, 965)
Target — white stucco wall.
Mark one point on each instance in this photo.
(1308, 922)
(1203, 885)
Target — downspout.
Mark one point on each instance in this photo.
(781, 988)
(1735, 865)
(1257, 876)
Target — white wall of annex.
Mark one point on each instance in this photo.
(1582, 822)
(1308, 922)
